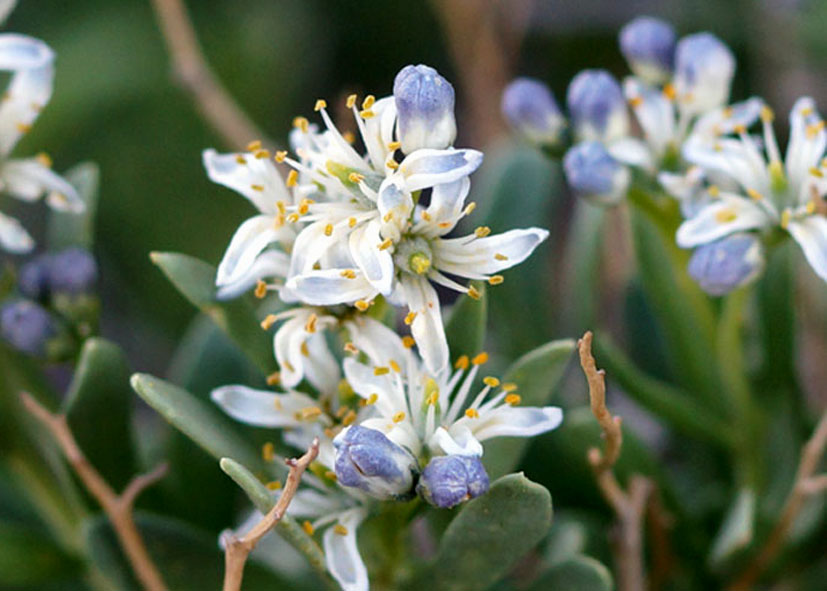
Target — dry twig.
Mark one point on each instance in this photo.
(238, 549)
(118, 508)
(629, 506)
(192, 71)
(806, 484)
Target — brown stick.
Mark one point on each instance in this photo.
(118, 508)
(629, 506)
(805, 485)
(237, 550)
(193, 73)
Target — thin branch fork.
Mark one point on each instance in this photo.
(806, 484)
(237, 550)
(118, 508)
(629, 506)
(190, 66)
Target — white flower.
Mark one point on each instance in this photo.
(28, 179)
(762, 193)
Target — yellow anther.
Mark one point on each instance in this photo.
(810, 208)
(806, 111)
(399, 417)
(280, 155)
(24, 127)
(292, 178)
(349, 137)
(432, 398)
(368, 102)
(349, 418)
(269, 321)
(311, 323)
(713, 190)
(44, 159)
(728, 112)
(366, 114)
(361, 305)
(754, 195)
(240, 159)
(408, 341)
(293, 218)
(472, 413)
(480, 358)
(308, 413)
(500, 257)
(669, 92)
(462, 362)
(410, 317)
(392, 164)
(419, 263)
(308, 528)
(268, 452)
(387, 217)
(513, 399)
(254, 145)
(274, 378)
(351, 222)
(262, 154)
(473, 292)
(342, 410)
(261, 289)
(351, 101)
(482, 231)
(320, 104)
(509, 386)
(491, 381)
(381, 370)
(635, 101)
(348, 274)
(258, 188)
(304, 349)
(280, 206)
(301, 123)
(395, 366)
(328, 230)
(725, 216)
(372, 398)
(816, 172)
(444, 224)
(304, 206)
(274, 485)
(785, 218)
(496, 279)
(469, 208)
(814, 128)
(385, 244)
(355, 177)
(340, 529)
(394, 146)
(351, 348)
(766, 114)
(426, 216)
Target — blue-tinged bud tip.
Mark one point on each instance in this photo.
(597, 107)
(704, 67)
(26, 326)
(366, 459)
(594, 174)
(425, 109)
(721, 266)
(33, 280)
(447, 481)
(529, 107)
(72, 271)
(648, 44)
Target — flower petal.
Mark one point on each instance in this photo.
(731, 213)
(475, 258)
(428, 167)
(808, 139)
(269, 264)
(29, 178)
(252, 236)
(460, 441)
(342, 554)
(320, 366)
(13, 236)
(516, 421)
(260, 407)
(330, 287)
(811, 235)
(21, 52)
(27, 94)
(377, 341)
(445, 209)
(255, 178)
(376, 265)
(426, 328)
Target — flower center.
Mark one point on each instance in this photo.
(419, 263)
(413, 254)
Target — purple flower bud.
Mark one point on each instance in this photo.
(529, 106)
(26, 326)
(649, 46)
(448, 481)
(425, 109)
(597, 107)
(721, 266)
(594, 174)
(72, 271)
(366, 459)
(33, 279)
(704, 67)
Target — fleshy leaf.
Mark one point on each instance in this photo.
(99, 408)
(737, 529)
(465, 327)
(490, 534)
(579, 573)
(195, 280)
(76, 229)
(536, 374)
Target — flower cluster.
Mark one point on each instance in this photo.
(345, 234)
(30, 63)
(736, 195)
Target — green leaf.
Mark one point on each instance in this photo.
(195, 280)
(579, 573)
(777, 318)
(536, 374)
(31, 557)
(98, 408)
(263, 500)
(736, 532)
(197, 419)
(188, 559)
(465, 328)
(490, 534)
(584, 253)
(76, 229)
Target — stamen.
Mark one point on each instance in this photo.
(814, 128)
(713, 190)
(280, 156)
(500, 257)
(381, 370)
(393, 146)
(340, 529)
(273, 379)
(311, 323)
(635, 101)
(767, 114)
(513, 399)
(44, 159)
(261, 289)
(469, 208)
(509, 387)
(351, 348)
(474, 293)
(262, 154)
(292, 178)
(268, 452)
(328, 230)
(480, 358)
(491, 381)
(349, 418)
(348, 274)
(274, 485)
(368, 102)
(269, 321)
(301, 123)
(361, 305)
(725, 216)
(304, 350)
(258, 188)
(482, 231)
(308, 413)
(366, 114)
(754, 195)
(399, 417)
(308, 527)
(462, 362)
(408, 341)
(351, 222)
(320, 104)
(669, 92)
(385, 244)
(786, 215)
(372, 398)
(496, 279)
(355, 177)
(472, 413)
(395, 366)
(351, 101)
(240, 159)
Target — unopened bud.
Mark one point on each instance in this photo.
(592, 173)
(597, 107)
(704, 67)
(448, 481)
(726, 264)
(529, 107)
(648, 44)
(26, 326)
(425, 109)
